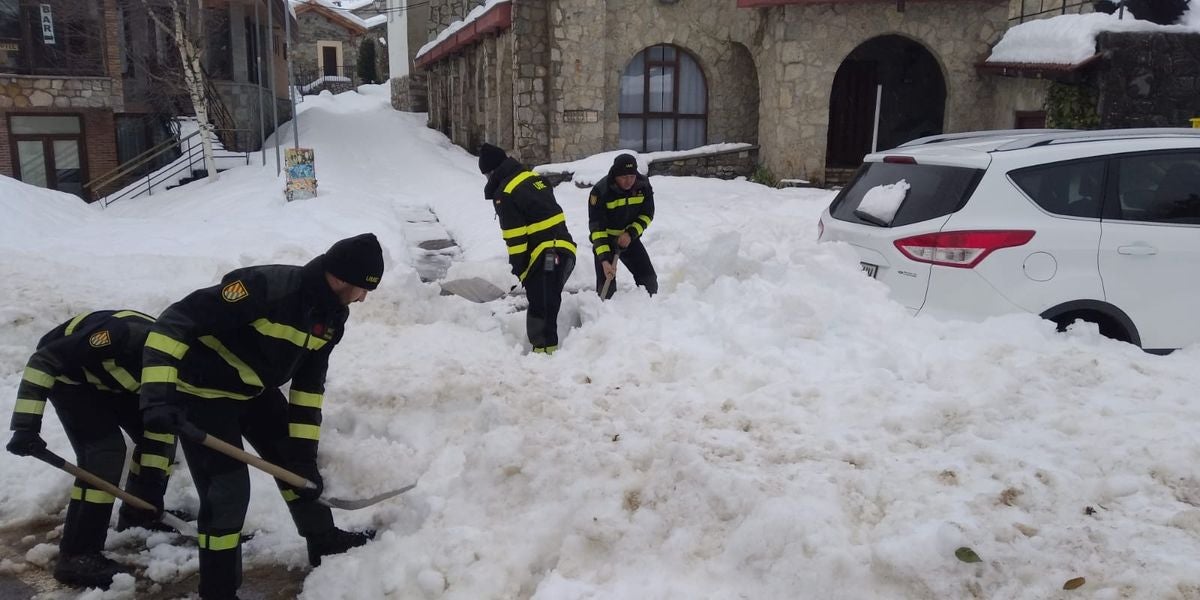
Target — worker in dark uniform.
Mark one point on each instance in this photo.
(541, 252)
(620, 209)
(88, 369)
(216, 359)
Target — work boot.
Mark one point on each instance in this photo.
(87, 570)
(335, 541)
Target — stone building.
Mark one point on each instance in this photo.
(556, 80)
(79, 97)
(328, 35)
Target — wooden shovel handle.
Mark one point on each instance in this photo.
(195, 434)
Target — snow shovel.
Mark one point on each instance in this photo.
(608, 281)
(475, 289)
(195, 434)
(167, 518)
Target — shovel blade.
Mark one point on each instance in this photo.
(345, 504)
(475, 289)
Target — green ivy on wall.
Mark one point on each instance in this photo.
(1071, 107)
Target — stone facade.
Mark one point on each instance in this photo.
(315, 27)
(246, 102)
(410, 93)
(1148, 79)
(24, 91)
(769, 71)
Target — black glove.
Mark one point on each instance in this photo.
(164, 418)
(308, 470)
(26, 443)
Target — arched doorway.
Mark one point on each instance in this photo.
(664, 101)
(911, 91)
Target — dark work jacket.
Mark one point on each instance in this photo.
(613, 211)
(101, 350)
(259, 328)
(531, 221)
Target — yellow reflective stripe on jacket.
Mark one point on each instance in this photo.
(38, 378)
(122, 376)
(160, 375)
(245, 373)
(95, 381)
(544, 246)
(599, 235)
(166, 345)
(29, 406)
(515, 181)
(165, 438)
(619, 202)
(74, 323)
(519, 248)
(303, 431)
(93, 496)
(644, 219)
(209, 393)
(546, 223)
(133, 313)
(542, 225)
(66, 380)
(308, 399)
(602, 249)
(288, 333)
(637, 226)
(289, 495)
(614, 231)
(161, 463)
(218, 542)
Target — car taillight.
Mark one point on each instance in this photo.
(820, 228)
(963, 249)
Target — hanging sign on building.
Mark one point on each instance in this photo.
(47, 25)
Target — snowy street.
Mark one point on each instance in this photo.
(770, 426)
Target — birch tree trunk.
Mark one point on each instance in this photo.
(193, 74)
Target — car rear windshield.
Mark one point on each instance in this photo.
(933, 191)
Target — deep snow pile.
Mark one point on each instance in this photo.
(769, 426)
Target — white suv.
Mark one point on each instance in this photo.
(1102, 226)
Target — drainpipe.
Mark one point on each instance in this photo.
(271, 75)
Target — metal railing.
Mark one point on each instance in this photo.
(1050, 7)
(190, 154)
(309, 81)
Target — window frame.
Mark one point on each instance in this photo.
(48, 140)
(646, 115)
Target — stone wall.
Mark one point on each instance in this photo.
(1015, 94)
(721, 165)
(769, 71)
(315, 27)
(24, 91)
(1149, 79)
(244, 101)
(410, 93)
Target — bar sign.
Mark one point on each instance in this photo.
(47, 25)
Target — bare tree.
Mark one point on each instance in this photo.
(184, 24)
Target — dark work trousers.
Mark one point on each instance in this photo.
(93, 420)
(544, 290)
(635, 258)
(223, 482)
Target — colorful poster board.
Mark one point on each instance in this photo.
(301, 174)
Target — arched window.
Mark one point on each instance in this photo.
(664, 101)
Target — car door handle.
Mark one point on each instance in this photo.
(1137, 250)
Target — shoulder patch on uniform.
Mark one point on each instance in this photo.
(100, 339)
(235, 291)
(592, 199)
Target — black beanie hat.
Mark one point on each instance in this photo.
(490, 157)
(625, 164)
(357, 260)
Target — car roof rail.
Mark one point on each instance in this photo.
(967, 135)
(1098, 135)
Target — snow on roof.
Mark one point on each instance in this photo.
(345, 9)
(453, 28)
(1071, 39)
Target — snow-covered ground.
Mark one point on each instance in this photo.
(769, 427)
